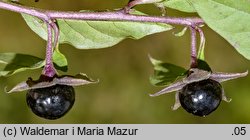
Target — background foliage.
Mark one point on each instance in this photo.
(123, 70)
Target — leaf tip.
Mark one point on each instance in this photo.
(245, 73)
(181, 33)
(19, 87)
(152, 95)
(153, 61)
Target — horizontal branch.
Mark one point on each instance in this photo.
(98, 16)
(23, 9)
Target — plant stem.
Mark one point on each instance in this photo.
(98, 16)
(49, 69)
(56, 33)
(120, 16)
(201, 51)
(23, 9)
(193, 48)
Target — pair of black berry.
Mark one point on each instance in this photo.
(199, 93)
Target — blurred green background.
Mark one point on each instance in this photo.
(121, 96)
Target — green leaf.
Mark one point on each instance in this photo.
(96, 34)
(230, 19)
(181, 33)
(202, 64)
(181, 5)
(201, 51)
(15, 63)
(60, 60)
(165, 73)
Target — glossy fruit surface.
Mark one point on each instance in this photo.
(201, 98)
(51, 102)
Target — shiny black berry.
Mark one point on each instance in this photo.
(201, 98)
(51, 102)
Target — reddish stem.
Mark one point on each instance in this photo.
(100, 16)
(56, 33)
(49, 69)
(193, 48)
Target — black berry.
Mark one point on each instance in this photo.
(201, 98)
(51, 102)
